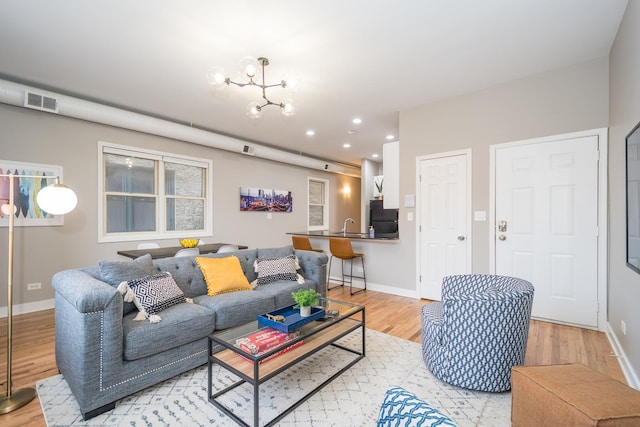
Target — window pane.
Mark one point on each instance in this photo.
(183, 180)
(316, 215)
(185, 214)
(124, 174)
(127, 214)
(316, 193)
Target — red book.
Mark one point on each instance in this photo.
(265, 340)
(284, 350)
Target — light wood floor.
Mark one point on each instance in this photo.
(34, 358)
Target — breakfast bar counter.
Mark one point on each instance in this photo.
(353, 236)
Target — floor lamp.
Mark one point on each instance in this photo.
(56, 199)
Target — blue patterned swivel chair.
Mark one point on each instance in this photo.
(478, 332)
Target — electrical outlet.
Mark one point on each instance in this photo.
(268, 215)
(623, 327)
(359, 270)
(34, 286)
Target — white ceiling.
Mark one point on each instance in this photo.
(356, 58)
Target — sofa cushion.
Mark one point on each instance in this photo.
(281, 290)
(401, 408)
(237, 308)
(181, 324)
(186, 273)
(116, 272)
(152, 294)
(274, 269)
(223, 275)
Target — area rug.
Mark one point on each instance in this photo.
(352, 399)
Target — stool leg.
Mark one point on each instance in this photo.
(329, 276)
(364, 276)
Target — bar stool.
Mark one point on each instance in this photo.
(340, 247)
(303, 243)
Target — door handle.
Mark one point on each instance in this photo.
(502, 226)
(461, 238)
(502, 237)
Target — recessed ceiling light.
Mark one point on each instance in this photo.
(346, 145)
(390, 137)
(357, 121)
(374, 155)
(311, 132)
(352, 132)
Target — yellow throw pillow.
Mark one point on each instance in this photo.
(223, 275)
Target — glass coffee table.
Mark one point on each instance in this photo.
(255, 369)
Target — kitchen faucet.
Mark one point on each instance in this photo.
(344, 226)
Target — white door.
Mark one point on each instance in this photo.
(546, 213)
(444, 221)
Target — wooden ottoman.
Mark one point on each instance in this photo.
(571, 395)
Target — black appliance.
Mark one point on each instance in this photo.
(384, 221)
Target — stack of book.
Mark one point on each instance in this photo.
(265, 340)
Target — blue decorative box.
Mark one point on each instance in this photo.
(292, 317)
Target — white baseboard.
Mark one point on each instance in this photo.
(29, 307)
(627, 370)
(357, 283)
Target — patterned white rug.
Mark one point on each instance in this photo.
(352, 399)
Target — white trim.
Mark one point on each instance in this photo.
(468, 153)
(29, 307)
(325, 213)
(602, 135)
(158, 156)
(627, 370)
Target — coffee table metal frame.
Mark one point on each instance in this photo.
(316, 335)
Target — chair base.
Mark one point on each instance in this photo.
(351, 276)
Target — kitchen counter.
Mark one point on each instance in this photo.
(353, 236)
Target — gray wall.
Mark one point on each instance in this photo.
(38, 137)
(624, 284)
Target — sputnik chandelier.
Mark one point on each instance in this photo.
(252, 71)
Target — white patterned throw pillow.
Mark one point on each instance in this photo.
(274, 269)
(152, 294)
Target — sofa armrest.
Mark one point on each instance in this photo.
(84, 292)
(314, 265)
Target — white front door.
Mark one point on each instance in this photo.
(444, 220)
(546, 225)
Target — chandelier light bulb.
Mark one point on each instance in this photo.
(216, 77)
(288, 109)
(249, 68)
(254, 111)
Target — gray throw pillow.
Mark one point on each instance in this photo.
(275, 252)
(115, 272)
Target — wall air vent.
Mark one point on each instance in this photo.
(40, 102)
(247, 149)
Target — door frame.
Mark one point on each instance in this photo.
(468, 156)
(602, 135)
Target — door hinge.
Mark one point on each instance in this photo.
(597, 155)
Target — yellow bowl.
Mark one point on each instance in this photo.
(189, 243)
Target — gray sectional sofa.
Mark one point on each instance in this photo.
(105, 355)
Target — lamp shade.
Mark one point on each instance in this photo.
(57, 199)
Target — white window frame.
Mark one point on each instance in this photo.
(160, 157)
(325, 212)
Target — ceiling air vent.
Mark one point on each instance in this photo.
(40, 102)
(247, 149)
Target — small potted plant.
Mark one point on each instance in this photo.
(305, 298)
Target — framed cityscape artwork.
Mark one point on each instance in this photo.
(265, 200)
